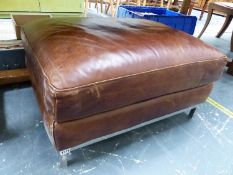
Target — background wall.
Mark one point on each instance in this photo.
(38, 6)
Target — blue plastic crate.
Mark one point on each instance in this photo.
(162, 15)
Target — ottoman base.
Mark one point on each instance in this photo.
(76, 134)
(66, 154)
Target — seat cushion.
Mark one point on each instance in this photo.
(85, 66)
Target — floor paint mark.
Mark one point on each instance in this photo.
(220, 107)
(116, 155)
(87, 171)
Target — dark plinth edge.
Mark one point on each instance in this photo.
(230, 67)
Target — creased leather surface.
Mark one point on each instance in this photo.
(85, 66)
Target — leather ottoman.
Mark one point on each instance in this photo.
(96, 77)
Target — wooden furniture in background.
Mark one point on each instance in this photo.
(203, 4)
(13, 76)
(185, 7)
(20, 19)
(114, 4)
(203, 9)
(105, 5)
(224, 7)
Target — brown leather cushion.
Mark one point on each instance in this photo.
(85, 66)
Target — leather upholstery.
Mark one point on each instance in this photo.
(82, 64)
(72, 133)
(91, 72)
(69, 134)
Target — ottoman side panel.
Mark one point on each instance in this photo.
(69, 134)
(110, 95)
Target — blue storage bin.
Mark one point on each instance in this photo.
(162, 15)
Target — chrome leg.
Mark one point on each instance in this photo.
(64, 156)
(191, 113)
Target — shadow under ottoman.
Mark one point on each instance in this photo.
(97, 77)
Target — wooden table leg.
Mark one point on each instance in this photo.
(112, 8)
(161, 3)
(203, 9)
(210, 12)
(107, 8)
(191, 8)
(96, 6)
(144, 3)
(185, 7)
(225, 25)
(101, 6)
(86, 7)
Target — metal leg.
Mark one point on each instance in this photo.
(191, 113)
(230, 64)
(64, 156)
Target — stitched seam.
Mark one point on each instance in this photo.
(141, 73)
(56, 90)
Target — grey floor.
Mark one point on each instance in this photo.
(200, 146)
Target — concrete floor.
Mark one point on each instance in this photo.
(201, 146)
